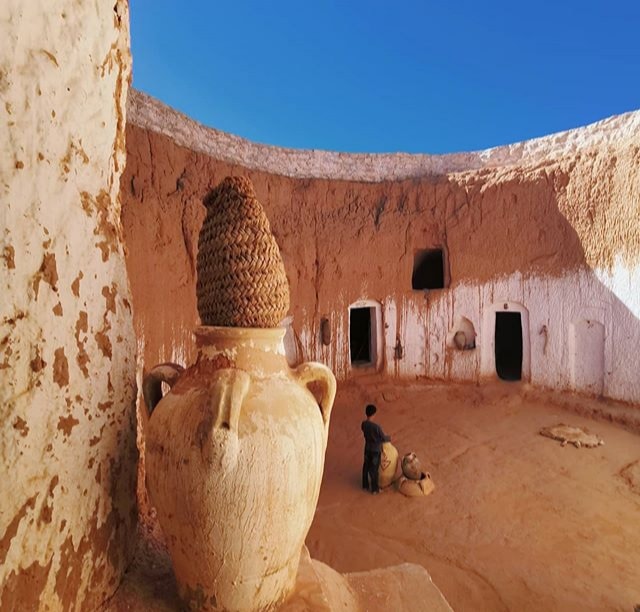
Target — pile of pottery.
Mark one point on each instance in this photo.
(414, 482)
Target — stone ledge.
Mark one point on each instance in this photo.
(151, 114)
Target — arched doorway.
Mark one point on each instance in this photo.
(365, 334)
(504, 343)
(508, 345)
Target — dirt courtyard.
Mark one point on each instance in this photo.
(517, 522)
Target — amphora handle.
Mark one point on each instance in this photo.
(152, 383)
(317, 372)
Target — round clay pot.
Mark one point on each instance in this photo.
(411, 467)
(388, 465)
(416, 488)
(234, 457)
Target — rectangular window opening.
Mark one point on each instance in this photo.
(428, 269)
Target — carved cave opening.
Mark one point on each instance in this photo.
(508, 345)
(428, 269)
(360, 341)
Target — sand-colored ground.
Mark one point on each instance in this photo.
(517, 522)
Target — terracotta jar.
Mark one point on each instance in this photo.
(388, 465)
(234, 458)
(416, 488)
(411, 467)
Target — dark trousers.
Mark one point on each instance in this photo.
(370, 470)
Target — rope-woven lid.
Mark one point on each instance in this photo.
(241, 277)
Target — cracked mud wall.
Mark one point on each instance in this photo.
(67, 350)
(551, 224)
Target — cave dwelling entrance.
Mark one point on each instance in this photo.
(508, 345)
(365, 331)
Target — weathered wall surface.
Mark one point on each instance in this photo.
(67, 353)
(550, 227)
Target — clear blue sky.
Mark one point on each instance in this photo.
(429, 76)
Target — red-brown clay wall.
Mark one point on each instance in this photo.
(530, 219)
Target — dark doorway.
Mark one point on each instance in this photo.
(360, 335)
(428, 269)
(508, 343)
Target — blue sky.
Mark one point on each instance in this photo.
(385, 76)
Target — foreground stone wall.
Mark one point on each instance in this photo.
(67, 352)
(549, 227)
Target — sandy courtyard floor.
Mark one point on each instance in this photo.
(517, 522)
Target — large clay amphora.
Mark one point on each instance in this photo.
(234, 458)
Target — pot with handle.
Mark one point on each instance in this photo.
(235, 456)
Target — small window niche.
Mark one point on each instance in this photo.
(462, 336)
(429, 270)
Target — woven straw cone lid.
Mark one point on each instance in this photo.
(241, 277)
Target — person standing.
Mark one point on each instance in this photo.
(373, 440)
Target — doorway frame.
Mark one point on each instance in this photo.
(573, 363)
(488, 339)
(376, 336)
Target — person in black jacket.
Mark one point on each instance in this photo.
(373, 439)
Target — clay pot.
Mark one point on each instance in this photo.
(411, 467)
(416, 488)
(234, 456)
(388, 465)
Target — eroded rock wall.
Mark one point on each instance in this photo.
(550, 228)
(67, 349)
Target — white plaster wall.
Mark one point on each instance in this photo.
(550, 307)
(67, 350)
(624, 282)
(586, 355)
(553, 303)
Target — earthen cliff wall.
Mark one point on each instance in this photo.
(549, 228)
